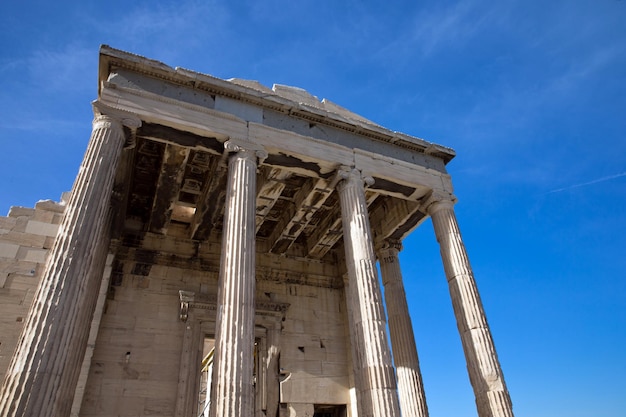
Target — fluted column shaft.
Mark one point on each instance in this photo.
(232, 393)
(375, 379)
(44, 370)
(492, 397)
(410, 385)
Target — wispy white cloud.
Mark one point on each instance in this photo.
(457, 24)
(518, 103)
(56, 72)
(69, 69)
(11, 64)
(583, 67)
(50, 70)
(587, 183)
(35, 100)
(166, 31)
(435, 29)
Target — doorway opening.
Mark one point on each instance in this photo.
(206, 372)
(326, 410)
(206, 375)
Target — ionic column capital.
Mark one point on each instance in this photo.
(350, 176)
(106, 117)
(388, 246)
(103, 121)
(245, 149)
(105, 114)
(438, 200)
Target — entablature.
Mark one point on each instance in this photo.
(172, 181)
(261, 105)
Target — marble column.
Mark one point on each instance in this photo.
(492, 397)
(355, 382)
(410, 386)
(232, 391)
(375, 377)
(43, 372)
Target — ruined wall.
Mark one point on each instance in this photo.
(26, 236)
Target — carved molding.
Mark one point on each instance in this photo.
(234, 145)
(392, 244)
(106, 115)
(191, 299)
(347, 174)
(125, 118)
(163, 99)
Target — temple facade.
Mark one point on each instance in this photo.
(217, 256)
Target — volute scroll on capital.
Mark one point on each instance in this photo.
(438, 200)
(102, 111)
(390, 244)
(387, 250)
(109, 117)
(350, 175)
(249, 148)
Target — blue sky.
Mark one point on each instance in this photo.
(531, 94)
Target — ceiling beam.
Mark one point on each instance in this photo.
(330, 231)
(394, 218)
(121, 189)
(168, 186)
(210, 207)
(269, 188)
(306, 202)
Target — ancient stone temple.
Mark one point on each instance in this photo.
(217, 256)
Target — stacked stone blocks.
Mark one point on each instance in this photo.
(26, 236)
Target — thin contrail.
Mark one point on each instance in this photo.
(610, 177)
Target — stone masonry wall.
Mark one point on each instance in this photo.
(314, 347)
(135, 368)
(135, 364)
(26, 236)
